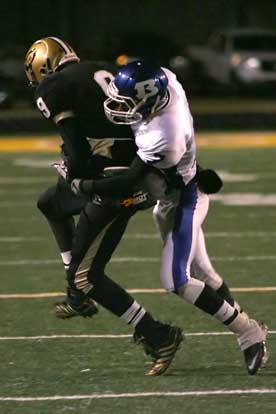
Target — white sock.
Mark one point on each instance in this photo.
(66, 259)
(133, 314)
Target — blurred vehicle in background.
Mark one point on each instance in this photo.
(236, 59)
(12, 79)
(6, 94)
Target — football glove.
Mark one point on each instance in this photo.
(76, 186)
(208, 181)
(61, 168)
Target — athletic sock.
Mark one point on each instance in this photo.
(66, 259)
(114, 298)
(225, 294)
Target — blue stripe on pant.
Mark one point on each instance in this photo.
(183, 234)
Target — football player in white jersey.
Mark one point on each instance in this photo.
(153, 102)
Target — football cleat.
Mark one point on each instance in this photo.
(164, 353)
(256, 355)
(66, 310)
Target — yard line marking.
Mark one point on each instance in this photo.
(208, 234)
(57, 294)
(25, 180)
(132, 259)
(144, 394)
(105, 336)
(5, 204)
(92, 336)
(151, 236)
(18, 239)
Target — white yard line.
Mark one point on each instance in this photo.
(216, 234)
(151, 291)
(132, 259)
(26, 180)
(20, 239)
(197, 393)
(5, 204)
(151, 236)
(105, 336)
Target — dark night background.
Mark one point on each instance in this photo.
(101, 28)
(105, 29)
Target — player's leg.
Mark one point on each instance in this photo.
(98, 233)
(202, 269)
(178, 254)
(58, 204)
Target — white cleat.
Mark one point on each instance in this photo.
(256, 355)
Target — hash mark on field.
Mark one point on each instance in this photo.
(143, 394)
(104, 336)
(57, 294)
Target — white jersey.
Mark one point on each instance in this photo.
(167, 139)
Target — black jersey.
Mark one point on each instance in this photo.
(77, 92)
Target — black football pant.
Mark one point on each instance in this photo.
(92, 243)
(59, 204)
(98, 233)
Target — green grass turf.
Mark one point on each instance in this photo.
(45, 367)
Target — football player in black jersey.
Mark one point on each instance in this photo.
(70, 93)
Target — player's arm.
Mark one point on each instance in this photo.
(53, 100)
(117, 185)
(77, 148)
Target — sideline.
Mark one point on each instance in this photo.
(51, 143)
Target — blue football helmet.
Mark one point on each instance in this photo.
(138, 90)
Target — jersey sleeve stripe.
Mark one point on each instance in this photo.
(63, 115)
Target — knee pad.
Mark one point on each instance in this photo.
(207, 275)
(191, 290)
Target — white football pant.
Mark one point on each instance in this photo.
(179, 220)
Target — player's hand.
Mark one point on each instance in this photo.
(61, 168)
(85, 187)
(76, 186)
(209, 181)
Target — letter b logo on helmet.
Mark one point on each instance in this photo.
(138, 90)
(147, 88)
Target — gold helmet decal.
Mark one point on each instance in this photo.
(45, 56)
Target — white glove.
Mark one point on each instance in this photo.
(61, 168)
(75, 186)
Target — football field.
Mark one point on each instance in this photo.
(83, 366)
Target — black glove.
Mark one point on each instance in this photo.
(208, 181)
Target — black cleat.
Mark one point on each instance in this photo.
(164, 353)
(256, 355)
(66, 310)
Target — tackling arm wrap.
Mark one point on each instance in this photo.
(119, 184)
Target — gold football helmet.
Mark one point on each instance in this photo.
(45, 56)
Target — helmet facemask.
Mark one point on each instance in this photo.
(121, 109)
